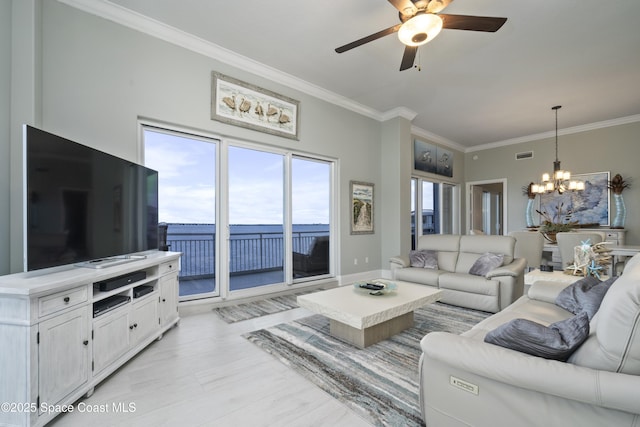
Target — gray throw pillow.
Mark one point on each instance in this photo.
(424, 258)
(556, 341)
(487, 262)
(584, 295)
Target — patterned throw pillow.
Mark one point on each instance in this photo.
(584, 295)
(487, 262)
(424, 259)
(556, 341)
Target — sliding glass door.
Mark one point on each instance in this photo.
(311, 217)
(256, 219)
(186, 166)
(275, 226)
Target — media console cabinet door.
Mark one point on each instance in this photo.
(63, 355)
(111, 338)
(168, 298)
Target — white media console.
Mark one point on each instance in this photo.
(53, 349)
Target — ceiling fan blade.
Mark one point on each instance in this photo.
(405, 7)
(472, 23)
(408, 57)
(368, 39)
(436, 6)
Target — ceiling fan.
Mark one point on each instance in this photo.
(421, 22)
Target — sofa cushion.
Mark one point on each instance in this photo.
(425, 276)
(614, 342)
(556, 341)
(584, 295)
(485, 263)
(424, 258)
(496, 244)
(447, 246)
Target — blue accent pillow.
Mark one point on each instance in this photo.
(556, 341)
(487, 262)
(584, 295)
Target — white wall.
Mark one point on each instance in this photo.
(5, 134)
(614, 149)
(99, 78)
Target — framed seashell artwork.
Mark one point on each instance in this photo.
(242, 104)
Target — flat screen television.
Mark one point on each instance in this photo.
(84, 205)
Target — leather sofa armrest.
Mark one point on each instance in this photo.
(561, 379)
(400, 261)
(546, 290)
(515, 269)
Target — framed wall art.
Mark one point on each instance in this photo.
(362, 208)
(588, 207)
(432, 158)
(242, 104)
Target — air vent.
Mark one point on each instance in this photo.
(524, 155)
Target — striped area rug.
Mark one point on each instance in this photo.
(380, 382)
(249, 310)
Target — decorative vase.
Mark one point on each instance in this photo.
(529, 213)
(621, 211)
(550, 236)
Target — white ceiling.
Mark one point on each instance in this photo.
(473, 89)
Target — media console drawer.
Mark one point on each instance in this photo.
(168, 267)
(61, 300)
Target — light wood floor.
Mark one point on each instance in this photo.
(204, 373)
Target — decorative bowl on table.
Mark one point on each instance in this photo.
(375, 287)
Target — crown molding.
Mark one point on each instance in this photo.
(550, 134)
(398, 112)
(144, 24)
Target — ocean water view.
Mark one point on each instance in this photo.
(253, 247)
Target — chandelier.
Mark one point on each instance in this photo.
(560, 180)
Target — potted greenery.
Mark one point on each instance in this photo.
(559, 221)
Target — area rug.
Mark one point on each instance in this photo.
(380, 382)
(250, 310)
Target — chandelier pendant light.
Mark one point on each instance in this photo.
(560, 180)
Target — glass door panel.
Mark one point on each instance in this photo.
(186, 168)
(311, 203)
(256, 227)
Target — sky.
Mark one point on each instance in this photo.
(186, 171)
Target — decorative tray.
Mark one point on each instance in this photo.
(375, 287)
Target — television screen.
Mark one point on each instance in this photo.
(83, 204)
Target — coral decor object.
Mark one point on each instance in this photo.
(590, 260)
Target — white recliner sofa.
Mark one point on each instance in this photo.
(465, 381)
(456, 255)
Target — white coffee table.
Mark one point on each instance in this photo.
(362, 319)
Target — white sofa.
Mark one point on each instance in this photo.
(456, 254)
(465, 381)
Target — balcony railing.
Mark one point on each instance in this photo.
(249, 252)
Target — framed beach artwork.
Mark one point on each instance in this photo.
(588, 207)
(361, 207)
(242, 104)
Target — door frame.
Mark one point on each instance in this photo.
(469, 201)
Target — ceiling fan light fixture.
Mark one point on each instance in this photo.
(420, 29)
